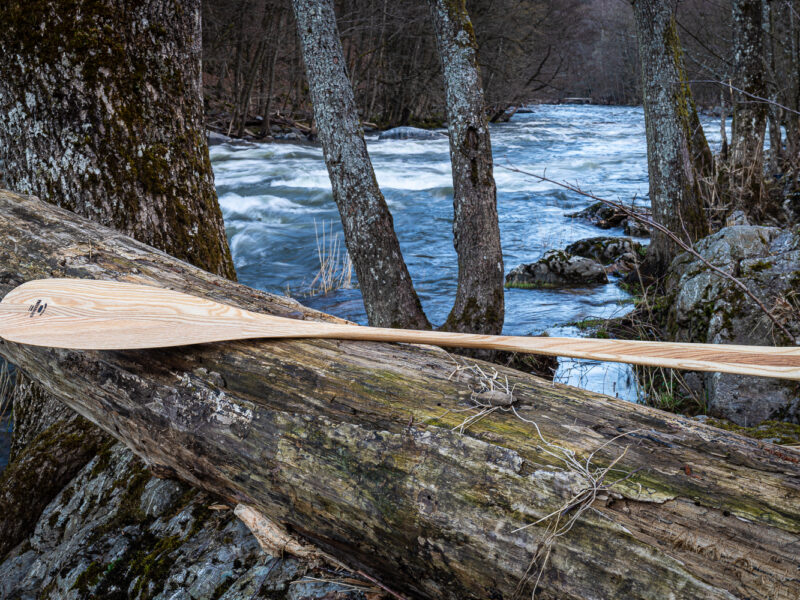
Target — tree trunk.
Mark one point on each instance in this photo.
(671, 152)
(272, 63)
(239, 63)
(255, 66)
(104, 116)
(774, 112)
(389, 295)
(352, 447)
(749, 114)
(479, 304)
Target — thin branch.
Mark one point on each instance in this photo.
(661, 228)
(748, 94)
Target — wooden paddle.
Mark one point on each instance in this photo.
(106, 315)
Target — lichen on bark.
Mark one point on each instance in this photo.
(389, 296)
(479, 305)
(101, 112)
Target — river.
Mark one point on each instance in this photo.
(273, 195)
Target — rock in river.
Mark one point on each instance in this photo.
(618, 255)
(557, 269)
(410, 133)
(605, 217)
(706, 307)
(215, 138)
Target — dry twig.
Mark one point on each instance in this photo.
(677, 240)
(492, 393)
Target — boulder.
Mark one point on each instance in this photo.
(216, 138)
(618, 255)
(791, 204)
(635, 228)
(604, 216)
(118, 532)
(410, 133)
(706, 307)
(557, 269)
(291, 136)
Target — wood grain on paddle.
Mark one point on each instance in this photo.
(105, 315)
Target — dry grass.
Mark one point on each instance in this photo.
(594, 486)
(335, 267)
(786, 309)
(491, 392)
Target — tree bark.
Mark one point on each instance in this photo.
(101, 111)
(351, 446)
(479, 304)
(271, 65)
(749, 115)
(389, 295)
(672, 128)
(773, 84)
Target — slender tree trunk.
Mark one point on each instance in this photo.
(379, 63)
(774, 112)
(749, 114)
(669, 117)
(790, 121)
(238, 61)
(252, 73)
(104, 116)
(723, 129)
(386, 286)
(273, 60)
(479, 304)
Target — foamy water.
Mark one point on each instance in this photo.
(272, 194)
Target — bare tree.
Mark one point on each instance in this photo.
(479, 304)
(749, 114)
(671, 123)
(389, 295)
(527, 48)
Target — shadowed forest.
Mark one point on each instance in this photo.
(529, 52)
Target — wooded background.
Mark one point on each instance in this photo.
(529, 50)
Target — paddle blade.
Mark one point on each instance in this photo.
(108, 315)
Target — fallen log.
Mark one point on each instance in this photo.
(365, 449)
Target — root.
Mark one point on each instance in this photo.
(491, 392)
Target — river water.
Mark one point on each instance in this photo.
(273, 195)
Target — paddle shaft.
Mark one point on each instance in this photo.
(98, 315)
(745, 360)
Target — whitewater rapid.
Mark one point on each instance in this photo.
(272, 195)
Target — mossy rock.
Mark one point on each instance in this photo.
(557, 269)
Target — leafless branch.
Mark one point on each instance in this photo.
(686, 247)
(748, 94)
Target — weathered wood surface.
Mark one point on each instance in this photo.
(347, 444)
